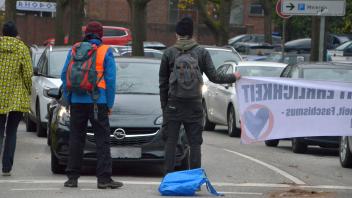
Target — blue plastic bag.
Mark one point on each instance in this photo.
(185, 183)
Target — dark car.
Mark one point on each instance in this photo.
(135, 121)
(253, 38)
(328, 71)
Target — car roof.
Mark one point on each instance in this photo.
(261, 64)
(324, 65)
(213, 47)
(137, 59)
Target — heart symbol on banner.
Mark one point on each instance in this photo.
(256, 122)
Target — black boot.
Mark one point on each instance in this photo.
(110, 184)
(72, 183)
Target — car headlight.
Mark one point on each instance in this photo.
(64, 116)
(204, 88)
(158, 120)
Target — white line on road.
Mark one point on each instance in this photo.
(271, 167)
(241, 193)
(156, 183)
(33, 189)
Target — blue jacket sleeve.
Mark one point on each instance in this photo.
(110, 77)
(63, 77)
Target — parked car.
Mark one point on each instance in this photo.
(345, 153)
(135, 121)
(152, 45)
(220, 101)
(253, 38)
(219, 55)
(328, 71)
(36, 52)
(112, 35)
(46, 76)
(256, 49)
(342, 53)
(150, 53)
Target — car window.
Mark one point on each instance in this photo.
(56, 63)
(41, 61)
(223, 69)
(114, 32)
(138, 77)
(330, 74)
(344, 45)
(229, 69)
(260, 71)
(224, 55)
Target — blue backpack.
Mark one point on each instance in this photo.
(185, 183)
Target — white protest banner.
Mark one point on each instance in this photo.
(277, 108)
(36, 6)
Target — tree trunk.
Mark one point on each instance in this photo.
(59, 22)
(139, 25)
(314, 49)
(77, 16)
(267, 6)
(10, 10)
(225, 13)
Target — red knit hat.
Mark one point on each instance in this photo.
(94, 27)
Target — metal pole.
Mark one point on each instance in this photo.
(321, 38)
(283, 40)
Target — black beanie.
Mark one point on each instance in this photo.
(9, 29)
(185, 27)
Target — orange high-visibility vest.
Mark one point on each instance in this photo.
(99, 64)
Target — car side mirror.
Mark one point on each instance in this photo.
(35, 71)
(52, 93)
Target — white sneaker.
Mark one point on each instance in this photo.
(6, 174)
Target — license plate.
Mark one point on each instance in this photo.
(126, 152)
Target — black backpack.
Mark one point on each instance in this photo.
(186, 80)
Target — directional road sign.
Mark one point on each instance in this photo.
(314, 7)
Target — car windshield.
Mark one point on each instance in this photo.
(57, 61)
(137, 77)
(260, 71)
(343, 46)
(219, 56)
(330, 74)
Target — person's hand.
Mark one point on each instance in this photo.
(237, 75)
(109, 111)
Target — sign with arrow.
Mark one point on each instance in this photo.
(314, 7)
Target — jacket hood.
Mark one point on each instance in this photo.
(10, 44)
(185, 44)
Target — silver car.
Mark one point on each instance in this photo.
(219, 100)
(46, 76)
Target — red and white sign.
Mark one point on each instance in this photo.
(279, 11)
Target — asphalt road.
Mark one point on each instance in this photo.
(235, 169)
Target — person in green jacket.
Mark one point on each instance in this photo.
(15, 90)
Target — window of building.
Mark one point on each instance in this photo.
(256, 9)
(114, 32)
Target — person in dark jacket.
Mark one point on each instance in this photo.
(82, 109)
(188, 112)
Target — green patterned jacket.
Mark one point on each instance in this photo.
(15, 75)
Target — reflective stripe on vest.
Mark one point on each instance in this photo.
(101, 52)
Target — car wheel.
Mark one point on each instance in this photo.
(298, 146)
(272, 143)
(56, 167)
(232, 130)
(345, 153)
(41, 131)
(185, 163)
(208, 126)
(48, 134)
(30, 125)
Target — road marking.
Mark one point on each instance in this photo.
(241, 193)
(156, 183)
(33, 189)
(271, 167)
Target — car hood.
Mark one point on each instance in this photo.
(54, 82)
(135, 110)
